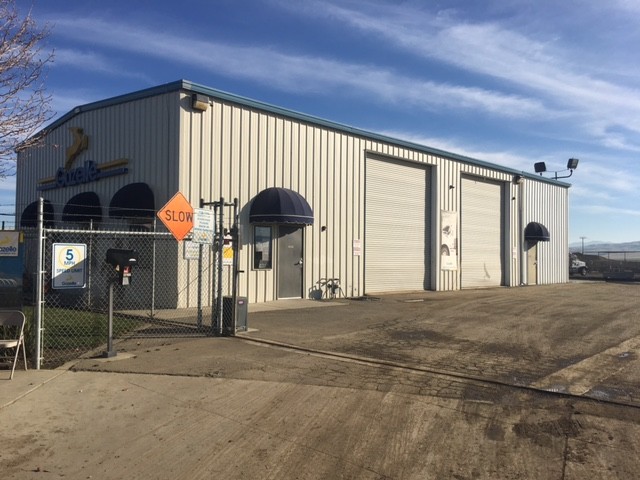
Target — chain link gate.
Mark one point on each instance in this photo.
(173, 294)
(224, 315)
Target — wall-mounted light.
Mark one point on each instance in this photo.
(199, 102)
(323, 229)
(518, 179)
(451, 187)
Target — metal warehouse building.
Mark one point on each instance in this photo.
(317, 199)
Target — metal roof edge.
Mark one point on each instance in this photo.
(198, 88)
(127, 97)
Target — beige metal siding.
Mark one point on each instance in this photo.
(482, 250)
(327, 167)
(547, 204)
(236, 151)
(447, 195)
(251, 150)
(396, 227)
(142, 131)
(145, 132)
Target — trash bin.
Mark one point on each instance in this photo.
(241, 314)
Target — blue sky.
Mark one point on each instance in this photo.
(507, 81)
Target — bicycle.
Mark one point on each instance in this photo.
(331, 288)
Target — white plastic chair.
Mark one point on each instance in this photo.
(12, 325)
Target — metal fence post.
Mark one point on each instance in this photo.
(153, 268)
(220, 267)
(199, 321)
(234, 269)
(89, 270)
(39, 282)
(110, 351)
(214, 274)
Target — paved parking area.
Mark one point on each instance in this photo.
(581, 338)
(527, 383)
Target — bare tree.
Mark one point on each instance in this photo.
(24, 103)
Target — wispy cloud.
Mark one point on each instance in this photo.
(610, 183)
(462, 147)
(543, 68)
(66, 100)
(84, 60)
(603, 209)
(94, 62)
(309, 74)
(8, 185)
(597, 177)
(627, 6)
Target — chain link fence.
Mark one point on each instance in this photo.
(177, 290)
(621, 265)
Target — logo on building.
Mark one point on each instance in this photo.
(79, 145)
(88, 172)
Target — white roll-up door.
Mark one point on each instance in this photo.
(396, 226)
(482, 238)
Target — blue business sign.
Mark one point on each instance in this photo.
(11, 269)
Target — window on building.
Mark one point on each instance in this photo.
(262, 237)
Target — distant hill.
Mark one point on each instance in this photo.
(605, 247)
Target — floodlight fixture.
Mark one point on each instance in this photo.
(540, 167)
(572, 164)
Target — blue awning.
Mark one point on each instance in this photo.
(280, 205)
(83, 208)
(133, 201)
(536, 232)
(29, 217)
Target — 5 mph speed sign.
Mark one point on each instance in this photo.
(68, 269)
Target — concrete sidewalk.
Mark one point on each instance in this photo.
(24, 383)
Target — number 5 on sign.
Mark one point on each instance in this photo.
(68, 265)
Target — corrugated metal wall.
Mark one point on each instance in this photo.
(141, 131)
(237, 150)
(449, 197)
(232, 151)
(548, 204)
(145, 133)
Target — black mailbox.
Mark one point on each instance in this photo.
(123, 261)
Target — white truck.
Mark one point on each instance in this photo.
(577, 266)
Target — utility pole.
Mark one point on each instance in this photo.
(582, 238)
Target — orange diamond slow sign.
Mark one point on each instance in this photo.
(177, 215)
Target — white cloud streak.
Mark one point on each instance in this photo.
(610, 184)
(295, 73)
(504, 158)
(94, 62)
(544, 69)
(606, 210)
